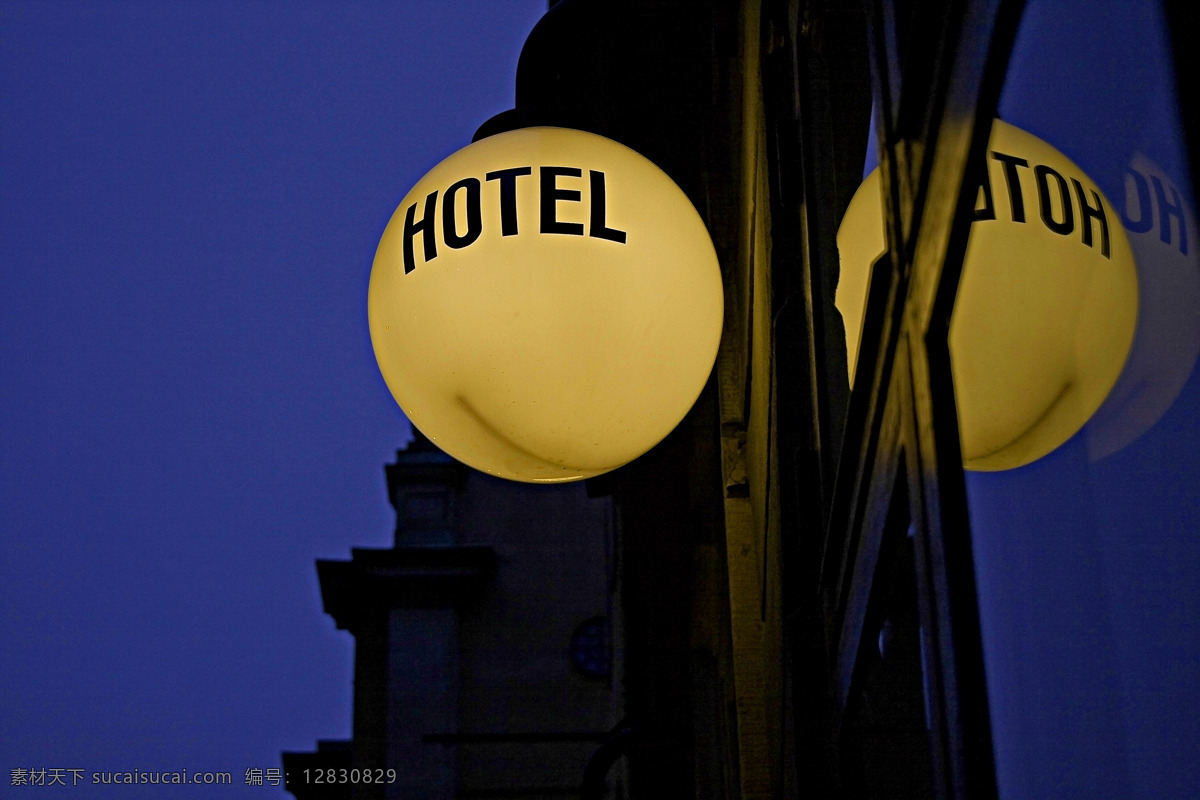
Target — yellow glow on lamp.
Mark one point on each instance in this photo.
(545, 305)
(1046, 306)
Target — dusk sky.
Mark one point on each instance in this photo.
(191, 194)
(1088, 560)
(190, 411)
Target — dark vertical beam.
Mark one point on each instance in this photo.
(949, 59)
(1182, 18)
(817, 97)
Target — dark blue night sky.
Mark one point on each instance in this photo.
(190, 411)
(1089, 560)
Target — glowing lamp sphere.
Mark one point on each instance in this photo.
(545, 305)
(1046, 306)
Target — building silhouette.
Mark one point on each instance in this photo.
(483, 658)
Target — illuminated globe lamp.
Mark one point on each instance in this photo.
(1047, 302)
(545, 305)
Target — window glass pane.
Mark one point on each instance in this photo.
(1089, 557)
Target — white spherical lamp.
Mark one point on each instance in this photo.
(545, 305)
(1046, 307)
